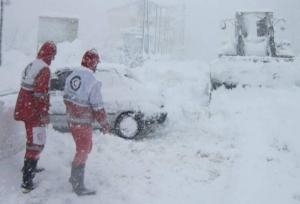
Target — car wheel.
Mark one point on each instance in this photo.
(128, 125)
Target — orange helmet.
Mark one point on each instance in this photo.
(90, 59)
(47, 52)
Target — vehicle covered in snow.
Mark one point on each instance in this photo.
(253, 40)
(133, 111)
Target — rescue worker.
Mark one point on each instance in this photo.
(83, 100)
(32, 107)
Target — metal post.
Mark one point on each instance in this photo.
(182, 40)
(159, 31)
(156, 29)
(143, 37)
(148, 30)
(1, 28)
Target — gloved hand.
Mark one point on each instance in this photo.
(44, 119)
(105, 128)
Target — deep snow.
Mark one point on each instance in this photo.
(241, 148)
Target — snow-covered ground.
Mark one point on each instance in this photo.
(263, 123)
(241, 148)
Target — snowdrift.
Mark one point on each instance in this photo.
(12, 135)
(255, 72)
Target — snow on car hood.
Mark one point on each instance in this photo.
(122, 89)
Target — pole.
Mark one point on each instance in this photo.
(155, 32)
(148, 30)
(1, 28)
(143, 37)
(183, 28)
(159, 31)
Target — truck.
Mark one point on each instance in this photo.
(253, 43)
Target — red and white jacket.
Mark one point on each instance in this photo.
(83, 99)
(33, 99)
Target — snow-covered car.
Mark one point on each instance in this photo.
(133, 111)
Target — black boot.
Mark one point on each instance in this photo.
(28, 175)
(77, 181)
(37, 169)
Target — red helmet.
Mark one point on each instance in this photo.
(90, 59)
(47, 52)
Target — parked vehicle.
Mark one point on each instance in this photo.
(253, 41)
(132, 111)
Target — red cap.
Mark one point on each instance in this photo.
(90, 59)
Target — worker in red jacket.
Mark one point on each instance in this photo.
(83, 100)
(32, 107)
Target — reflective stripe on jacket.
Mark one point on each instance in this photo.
(30, 73)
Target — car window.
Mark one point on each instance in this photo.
(57, 82)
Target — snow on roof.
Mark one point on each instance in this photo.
(58, 15)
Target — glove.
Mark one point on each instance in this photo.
(45, 119)
(105, 128)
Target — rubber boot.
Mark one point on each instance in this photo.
(37, 169)
(28, 175)
(77, 181)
